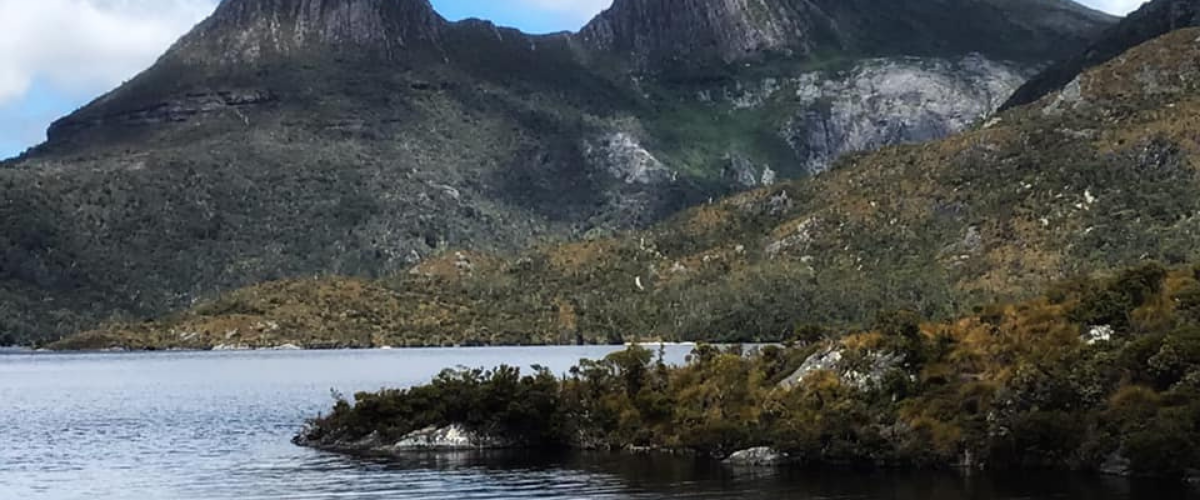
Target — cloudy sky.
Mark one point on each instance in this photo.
(56, 55)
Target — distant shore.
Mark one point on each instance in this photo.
(293, 347)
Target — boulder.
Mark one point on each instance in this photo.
(761, 456)
(450, 438)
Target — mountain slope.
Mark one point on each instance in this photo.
(284, 139)
(1152, 20)
(662, 36)
(1096, 177)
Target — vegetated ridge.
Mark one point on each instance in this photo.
(1096, 177)
(292, 139)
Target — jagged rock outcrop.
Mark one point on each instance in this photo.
(893, 101)
(286, 138)
(451, 438)
(862, 371)
(757, 457)
(1152, 20)
(725, 31)
(246, 31)
(672, 34)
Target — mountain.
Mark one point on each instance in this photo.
(1152, 20)
(660, 35)
(287, 139)
(1096, 177)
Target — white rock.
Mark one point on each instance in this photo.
(1097, 334)
(450, 438)
(757, 457)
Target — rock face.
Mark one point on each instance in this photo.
(246, 31)
(893, 101)
(452, 438)
(359, 137)
(1152, 20)
(863, 372)
(757, 457)
(660, 34)
(706, 30)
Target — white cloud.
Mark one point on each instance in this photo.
(1118, 7)
(84, 45)
(585, 8)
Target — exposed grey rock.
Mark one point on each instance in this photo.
(798, 240)
(724, 30)
(661, 34)
(1071, 96)
(623, 157)
(246, 31)
(450, 438)
(234, 102)
(862, 373)
(757, 457)
(893, 101)
(741, 171)
(825, 360)
(779, 203)
(1098, 334)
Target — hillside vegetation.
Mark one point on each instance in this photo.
(291, 139)
(1093, 178)
(1100, 375)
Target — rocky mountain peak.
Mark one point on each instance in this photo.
(248, 30)
(688, 29)
(686, 32)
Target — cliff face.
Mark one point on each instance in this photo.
(661, 35)
(244, 31)
(359, 137)
(652, 31)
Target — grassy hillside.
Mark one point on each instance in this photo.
(1084, 181)
(1097, 375)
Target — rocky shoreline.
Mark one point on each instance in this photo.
(1017, 386)
(456, 438)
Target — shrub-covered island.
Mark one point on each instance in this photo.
(1099, 375)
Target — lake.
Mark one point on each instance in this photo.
(217, 426)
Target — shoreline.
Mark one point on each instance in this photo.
(294, 348)
(778, 462)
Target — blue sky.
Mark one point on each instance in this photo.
(56, 55)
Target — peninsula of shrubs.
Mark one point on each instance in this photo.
(1096, 374)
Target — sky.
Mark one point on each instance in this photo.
(57, 55)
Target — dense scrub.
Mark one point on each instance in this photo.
(1095, 374)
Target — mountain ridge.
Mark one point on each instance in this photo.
(207, 173)
(1087, 180)
(1152, 20)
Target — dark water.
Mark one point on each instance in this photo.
(217, 425)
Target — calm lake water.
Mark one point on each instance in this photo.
(217, 426)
